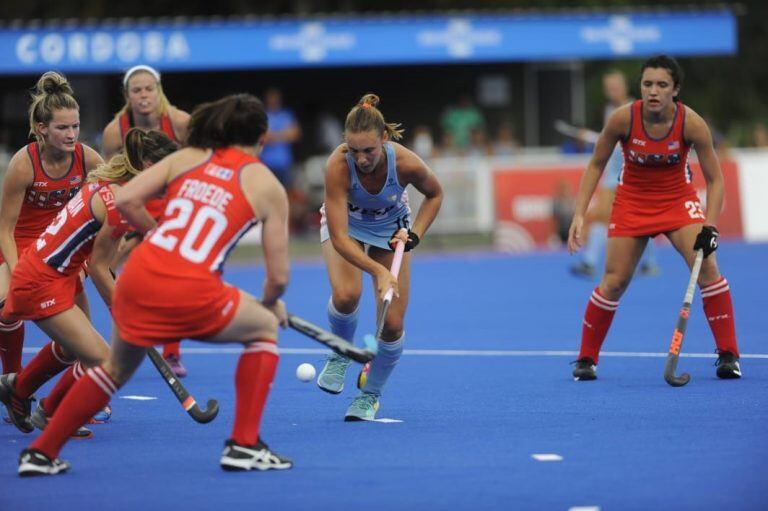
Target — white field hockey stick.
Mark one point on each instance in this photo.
(569, 130)
(682, 322)
(370, 340)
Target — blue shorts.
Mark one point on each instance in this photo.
(612, 172)
(375, 235)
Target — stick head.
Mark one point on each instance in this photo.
(207, 415)
(371, 344)
(678, 381)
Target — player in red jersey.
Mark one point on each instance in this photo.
(41, 177)
(171, 287)
(147, 107)
(655, 196)
(44, 282)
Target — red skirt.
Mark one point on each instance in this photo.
(151, 308)
(648, 215)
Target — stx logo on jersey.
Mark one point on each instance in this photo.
(653, 159)
(40, 184)
(639, 142)
(48, 303)
(219, 172)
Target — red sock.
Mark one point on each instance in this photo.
(87, 396)
(718, 308)
(253, 378)
(597, 320)
(11, 344)
(70, 376)
(171, 349)
(48, 362)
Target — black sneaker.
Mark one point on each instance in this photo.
(258, 457)
(19, 409)
(728, 366)
(585, 369)
(35, 463)
(583, 269)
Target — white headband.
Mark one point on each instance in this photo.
(141, 67)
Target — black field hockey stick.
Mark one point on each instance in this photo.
(181, 393)
(682, 322)
(332, 341)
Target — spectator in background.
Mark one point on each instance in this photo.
(760, 135)
(505, 143)
(448, 147)
(563, 207)
(459, 120)
(283, 131)
(423, 143)
(617, 95)
(478, 143)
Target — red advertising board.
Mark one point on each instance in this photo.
(523, 198)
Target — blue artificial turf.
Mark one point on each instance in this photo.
(471, 419)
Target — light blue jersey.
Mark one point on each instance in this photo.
(373, 219)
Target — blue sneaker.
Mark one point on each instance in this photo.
(363, 408)
(102, 416)
(331, 378)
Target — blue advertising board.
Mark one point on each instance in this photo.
(365, 41)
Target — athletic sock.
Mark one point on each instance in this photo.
(253, 378)
(172, 349)
(383, 364)
(718, 307)
(48, 362)
(86, 397)
(51, 402)
(597, 320)
(11, 344)
(598, 233)
(343, 325)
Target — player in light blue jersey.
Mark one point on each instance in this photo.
(365, 210)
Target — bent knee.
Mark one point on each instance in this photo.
(346, 301)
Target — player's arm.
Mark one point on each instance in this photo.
(270, 204)
(111, 141)
(18, 178)
(420, 176)
(148, 184)
(92, 158)
(104, 249)
(180, 121)
(698, 134)
(615, 128)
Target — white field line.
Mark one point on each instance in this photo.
(221, 350)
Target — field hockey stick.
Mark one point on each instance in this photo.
(332, 341)
(181, 393)
(373, 340)
(572, 131)
(682, 322)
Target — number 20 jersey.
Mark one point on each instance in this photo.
(205, 216)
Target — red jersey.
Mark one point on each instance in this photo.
(205, 216)
(47, 195)
(171, 287)
(126, 122)
(655, 194)
(655, 166)
(68, 241)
